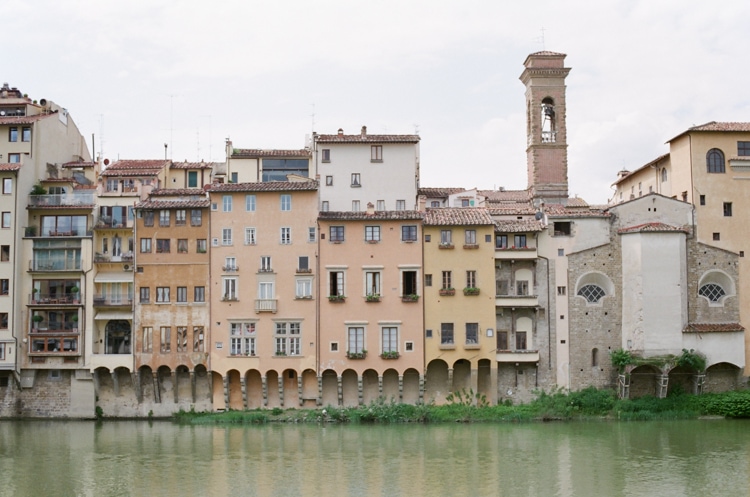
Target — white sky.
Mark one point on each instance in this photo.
(141, 73)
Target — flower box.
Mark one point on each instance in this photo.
(373, 297)
(471, 246)
(471, 291)
(336, 299)
(446, 246)
(410, 298)
(389, 355)
(356, 355)
(447, 291)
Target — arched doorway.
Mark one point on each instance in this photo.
(117, 337)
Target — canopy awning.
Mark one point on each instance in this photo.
(121, 277)
(110, 315)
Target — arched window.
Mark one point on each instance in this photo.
(715, 286)
(592, 293)
(715, 161)
(663, 174)
(712, 292)
(548, 121)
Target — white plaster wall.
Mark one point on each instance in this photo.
(654, 208)
(718, 347)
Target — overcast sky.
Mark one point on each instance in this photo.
(142, 73)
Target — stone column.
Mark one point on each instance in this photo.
(400, 388)
(137, 385)
(264, 387)
(174, 386)
(299, 391)
(319, 400)
(226, 392)
(450, 379)
(280, 380)
(360, 390)
(157, 392)
(192, 386)
(421, 388)
(340, 387)
(115, 384)
(243, 388)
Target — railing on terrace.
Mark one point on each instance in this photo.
(107, 222)
(114, 300)
(265, 305)
(99, 257)
(54, 327)
(55, 265)
(54, 299)
(72, 199)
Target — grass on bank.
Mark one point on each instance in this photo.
(586, 404)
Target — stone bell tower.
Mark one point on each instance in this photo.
(547, 147)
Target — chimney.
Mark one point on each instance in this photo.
(364, 131)
(422, 203)
(341, 132)
(370, 209)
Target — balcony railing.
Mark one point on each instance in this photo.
(57, 345)
(99, 257)
(55, 265)
(54, 327)
(54, 299)
(107, 222)
(230, 269)
(72, 199)
(265, 305)
(102, 300)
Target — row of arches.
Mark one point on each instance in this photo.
(648, 380)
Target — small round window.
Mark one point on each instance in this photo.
(712, 292)
(592, 293)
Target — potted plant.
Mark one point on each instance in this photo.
(412, 297)
(373, 297)
(470, 290)
(356, 355)
(390, 354)
(75, 323)
(336, 298)
(34, 291)
(38, 318)
(445, 245)
(447, 291)
(74, 293)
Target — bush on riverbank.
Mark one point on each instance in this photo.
(589, 403)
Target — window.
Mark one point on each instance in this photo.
(249, 236)
(446, 334)
(381, 205)
(427, 280)
(471, 279)
(702, 200)
(242, 339)
(196, 217)
(201, 245)
(4, 253)
(560, 252)
(165, 339)
(428, 238)
(520, 340)
(286, 202)
(522, 287)
(408, 233)
(6, 220)
(182, 294)
(163, 218)
(250, 203)
(199, 294)
(226, 203)
(329, 180)
(562, 228)
(182, 246)
(355, 340)
(519, 241)
(372, 283)
(409, 283)
(470, 237)
(162, 294)
(376, 153)
(3, 320)
(235, 178)
(198, 340)
(715, 161)
(192, 179)
(265, 290)
(162, 245)
(311, 234)
(182, 341)
(389, 339)
(303, 264)
(712, 292)
(4, 286)
(7, 186)
(356, 181)
(400, 205)
(372, 233)
(336, 283)
(336, 233)
(145, 294)
(286, 236)
(324, 206)
(743, 149)
(663, 174)
(148, 218)
(355, 205)
(265, 264)
(148, 339)
(727, 209)
(230, 264)
(472, 333)
(561, 290)
(303, 288)
(435, 203)
(229, 289)
(180, 217)
(447, 285)
(592, 293)
(716, 237)
(326, 155)
(226, 236)
(14, 158)
(502, 340)
(26, 134)
(287, 338)
(13, 134)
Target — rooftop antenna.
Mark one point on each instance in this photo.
(541, 39)
(416, 129)
(312, 116)
(210, 155)
(101, 135)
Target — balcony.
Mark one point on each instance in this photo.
(107, 222)
(121, 188)
(103, 300)
(73, 199)
(54, 345)
(231, 268)
(507, 356)
(55, 265)
(265, 305)
(516, 300)
(515, 253)
(52, 327)
(105, 258)
(55, 299)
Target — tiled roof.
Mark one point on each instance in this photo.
(563, 211)
(7, 166)
(57, 180)
(506, 195)
(712, 327)
(525, 209)
(576, 202)
(717, 126)
(547, 53)
(518, 226)
(364, 216)
(268, 186)
(645, 166)
(653, 228)
(192, 165)
(23, 119)
(367, 138)
(174, 192)
(79, 164)
(173, 204)
(452, 216)
(252, 153)
(439, 192)
(135, 168)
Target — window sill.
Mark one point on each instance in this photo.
(356, 186)
(447, 346)
(379, 161)
(472, 346)
(303, 298)
(471, 246)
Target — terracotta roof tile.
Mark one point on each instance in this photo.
(10, 167)
(252, 153)
(563, 211)
(712, 327)
(518, 226)
(173, 204)
(193, 165)
(521, 209)
(548, 53)
(174, 192)
(367, 138)
(376, 216)
(439, 192)
(24, 119)
(79, 164)
(135, 168)
(653, 228)
(506, 195)
(268, 186)
(717, 126)
(463, 216)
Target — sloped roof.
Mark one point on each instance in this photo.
(645, 166)
(78, 164)
(267, 186)
(135, 167)
(452, 216)
(192, 165)
(375, 216)
(712, 327)
(167, 192)
(365, 138)
(525, 209)
(24, 119)
(495, 196)
(7, 166)
(716, 127)
(567, 211)
(518, 226)
(439, 192)
(173, 204)
(252, 153)
(653, 228)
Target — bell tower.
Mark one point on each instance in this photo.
(547, 148)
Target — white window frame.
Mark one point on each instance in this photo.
(355, 339)
(288, 338)
(373, 282)
(250, 236)
(286, 202)
(389, 338)
(285, 235)
(400, 205)
(381, 205)
(265, 264)
(372, 233)
(226, 203)
(312, 234)
(266, 290)
(242, 338)
(7, 186)
(226, 236)
(229, 288)
(340, 276)
(250, 203)
(303, 288)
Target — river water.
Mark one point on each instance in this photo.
(134, 458)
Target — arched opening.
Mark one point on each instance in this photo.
(390, 386)
(330, 382)
(594, 358)
(593, 287)
(254, 389)
(461, 375)
(370, 386)
(234, 388)
(309, 388)
(410, 393)
(350, 388)
(715, 286)
(549, 126)
(291, 389)
(117, 337)
(715, 161)
(722, 377)
(273, 398)
(643, 381)
(436, 382)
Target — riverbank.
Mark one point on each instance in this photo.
(589, 403)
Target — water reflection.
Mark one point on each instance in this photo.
(687, 458)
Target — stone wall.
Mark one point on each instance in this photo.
(702, 259)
